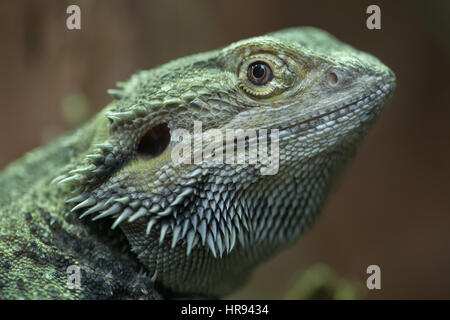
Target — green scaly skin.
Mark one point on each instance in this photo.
(151, 228)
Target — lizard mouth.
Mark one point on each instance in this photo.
(326, 113)
(332, 114)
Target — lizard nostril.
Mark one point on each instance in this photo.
(154, 141)
(332, 78)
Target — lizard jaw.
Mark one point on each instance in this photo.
(329, 116)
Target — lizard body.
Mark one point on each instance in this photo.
(153, 229)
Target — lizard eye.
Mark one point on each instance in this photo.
(259, 73)
(264, 75)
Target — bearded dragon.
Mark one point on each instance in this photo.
(109, 199)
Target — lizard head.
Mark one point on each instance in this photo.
(300, 97)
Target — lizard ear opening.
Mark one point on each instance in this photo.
(154, 141)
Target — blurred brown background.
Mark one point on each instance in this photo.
(393, 206)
